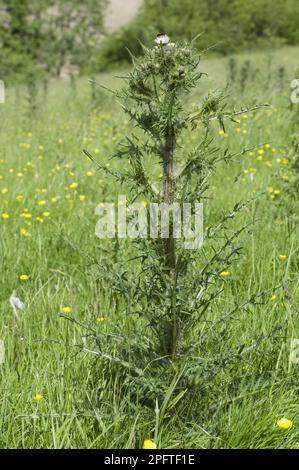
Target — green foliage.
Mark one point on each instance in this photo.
(169, 293)
(230, 25)
(42, 37)
(241, 380)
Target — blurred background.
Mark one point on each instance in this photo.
(65, 37)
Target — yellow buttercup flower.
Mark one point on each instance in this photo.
(67, 310)
(225, 273)
(284, 423)
(5, 216)
(282, 257)
(149, 444)
(38, 397)
(74, 185)
(24, 277)
(101, 319)
(24, 232)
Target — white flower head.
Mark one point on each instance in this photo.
(162, 38)
(16, 304)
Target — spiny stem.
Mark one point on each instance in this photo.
(169, 246)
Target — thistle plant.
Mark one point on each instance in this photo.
(176, 291)
(32, 92)
(232, 69)
(245, 74)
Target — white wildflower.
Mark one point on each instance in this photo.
(16, 304)
(162, 38)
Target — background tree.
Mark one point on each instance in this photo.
(42, 37)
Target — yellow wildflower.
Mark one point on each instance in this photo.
(225, 273)
(149, 444)
(284, 423)
(67, 310)
(38, 397)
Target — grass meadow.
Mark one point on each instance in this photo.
(56, 392)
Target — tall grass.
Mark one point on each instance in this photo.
(246, 381)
